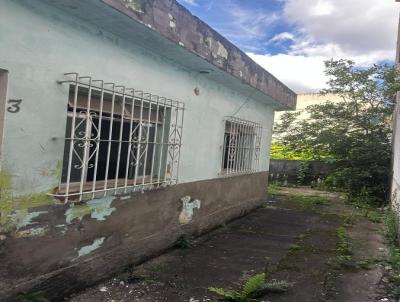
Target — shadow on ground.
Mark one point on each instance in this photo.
(294, 237)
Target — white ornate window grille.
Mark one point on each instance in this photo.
(118, 140)
(241, 148)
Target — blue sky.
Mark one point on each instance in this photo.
(249, 24)
(292, 38)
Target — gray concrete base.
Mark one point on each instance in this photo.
(76, 252)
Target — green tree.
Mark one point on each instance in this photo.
(355, 133)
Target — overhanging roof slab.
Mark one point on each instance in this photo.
(168, 29)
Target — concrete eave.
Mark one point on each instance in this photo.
(167, 28)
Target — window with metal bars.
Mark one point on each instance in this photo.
(118, 140)
(241, 148)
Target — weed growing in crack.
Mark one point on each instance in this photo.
(184, 242)
(294, 247)
(364, 264)
(349, 220)
(343, 248)
(309, 201)
(254, 287)
(273, 188)
(374, 216)
(391, 229)
(32, 297)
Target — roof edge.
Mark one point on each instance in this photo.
(174, 22)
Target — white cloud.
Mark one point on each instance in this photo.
(357, 26)
(361, 30)
(322, 8)
(248, 24)
(190, 2)
(282, 37)
(300, 73)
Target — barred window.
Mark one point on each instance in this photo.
(118, 140)
(241, 148)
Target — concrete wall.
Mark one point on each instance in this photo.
(288, 170)
(395, 190)
(72, 248)
(57, 248)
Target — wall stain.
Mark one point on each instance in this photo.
(188, 206)
(87, 249)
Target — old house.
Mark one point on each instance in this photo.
(123, 125)
(308, 99)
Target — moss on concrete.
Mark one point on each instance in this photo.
(15, 210)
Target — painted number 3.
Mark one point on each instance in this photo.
(14, 106)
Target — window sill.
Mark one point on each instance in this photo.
(101, 186)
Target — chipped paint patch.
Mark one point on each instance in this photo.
(98, 209)
(209, 42)
(101, 208)
(172, 21)
(22, 218)
(188, 206)
(63, 228)
(135, 5)
(87, 249)
(221, 50)
(77, 212)
(40, 231)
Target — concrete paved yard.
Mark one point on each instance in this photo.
(294, 237)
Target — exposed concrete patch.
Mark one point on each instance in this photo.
(39, 231)
(22, 218)
(221, 50)
(87, 249)
(77, 212)
(135, 5)
(101, 208)
(188, 207)
(98, 209)
(172, 21)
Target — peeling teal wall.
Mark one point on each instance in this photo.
(87, 249)
(46, 44)
(37, 46)
(98, 209)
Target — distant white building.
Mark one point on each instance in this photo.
(307, 99)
